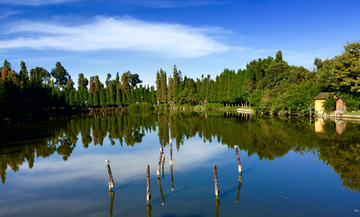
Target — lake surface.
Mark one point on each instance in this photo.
(290, 167)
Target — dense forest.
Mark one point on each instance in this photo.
(266, 137)
(267, 85)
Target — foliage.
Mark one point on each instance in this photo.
(329, 104)
(141, 106)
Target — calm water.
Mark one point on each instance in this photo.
(291, 167)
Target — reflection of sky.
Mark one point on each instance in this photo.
(127, 163)
(292, 185)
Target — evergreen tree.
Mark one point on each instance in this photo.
(118, 97)
(92, 85)
(102, 98)
(96, 100)
(112, 94)
(164, 95)
(278, 56)
(76, 98)
(158, 87)
(82, 82)
(60, 74)
(71, 97)
(153, 95)
(23, 75)
(125, 83)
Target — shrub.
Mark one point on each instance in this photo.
(329, 104)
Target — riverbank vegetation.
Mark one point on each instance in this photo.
(268, 85)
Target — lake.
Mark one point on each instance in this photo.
(290, 166)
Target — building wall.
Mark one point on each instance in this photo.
(319, 105)
(340, 105)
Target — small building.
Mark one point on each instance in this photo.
(320, 99)
(340, 104)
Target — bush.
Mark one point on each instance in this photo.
(329, 104)
(141, 106)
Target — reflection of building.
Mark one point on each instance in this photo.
(319, 125)
(340, 126)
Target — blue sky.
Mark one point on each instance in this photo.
(199, 36)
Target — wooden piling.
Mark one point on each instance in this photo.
(112, 196)
(148, 194)
(217, 192)
(239, 186)
(159, 166)
(217, 204)
(238, 158)
(111, 183)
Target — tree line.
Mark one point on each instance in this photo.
(267, 85)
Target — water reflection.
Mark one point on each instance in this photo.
(238, 191)
(335, 143)
(112, 197)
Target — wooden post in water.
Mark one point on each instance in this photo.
(111, 183)
(158, 170)
(217, 192)
(217, 204)
(112, 196)
(238, 158)
(238, 192)
(148, 194)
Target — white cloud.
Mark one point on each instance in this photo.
(34, 2)
(115, 34)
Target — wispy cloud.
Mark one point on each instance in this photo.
(173, 3)
(7, 13)
(115, 34)
(34, 2)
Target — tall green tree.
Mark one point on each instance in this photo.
(23, 75)
(60, 74)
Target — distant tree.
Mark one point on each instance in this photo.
(96, 100)
(125, 83)
(92, 85)
(4, 73)
(98, 85)
(102, 98)
(82, 82)
(278, 56)
(23, 75)
(118, 97)
(134, 79)
(158, 86)
(163, 86)
(60, 74)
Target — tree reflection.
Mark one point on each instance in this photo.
(267, 137)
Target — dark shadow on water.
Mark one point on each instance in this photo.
(251, 168)
(171, 193)
(122, 186)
